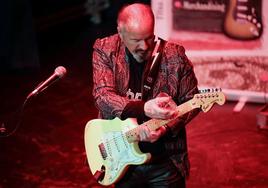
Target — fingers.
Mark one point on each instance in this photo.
(146, 135)
(167, 103)
(163, 113)
(160, 108)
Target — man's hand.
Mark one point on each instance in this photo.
(146, 135)
(161, 107)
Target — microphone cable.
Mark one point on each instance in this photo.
(18, 117)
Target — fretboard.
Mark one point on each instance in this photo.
(154, 124)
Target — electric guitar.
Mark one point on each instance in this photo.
(241, 20)
(111, 146)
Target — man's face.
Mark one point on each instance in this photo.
(140, 42)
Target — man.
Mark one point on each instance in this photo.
(120, 70)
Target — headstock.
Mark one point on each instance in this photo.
(207, 98)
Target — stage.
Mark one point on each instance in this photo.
(226, 149)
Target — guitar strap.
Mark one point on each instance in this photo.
(151, 69)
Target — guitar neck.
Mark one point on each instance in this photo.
(154, 124)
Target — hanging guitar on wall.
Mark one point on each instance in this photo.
(243, 19)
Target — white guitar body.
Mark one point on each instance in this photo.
(118, 153)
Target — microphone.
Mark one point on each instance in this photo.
(59, 72)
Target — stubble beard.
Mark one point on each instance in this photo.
(141, 56)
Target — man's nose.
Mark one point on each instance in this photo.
(144, 45)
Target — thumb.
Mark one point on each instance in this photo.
(162, 101)
(162, 94)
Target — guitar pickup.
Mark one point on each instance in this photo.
(102, 151)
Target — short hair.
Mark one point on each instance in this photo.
(132, 15)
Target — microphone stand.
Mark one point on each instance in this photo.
(18, 116)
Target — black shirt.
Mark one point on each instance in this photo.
(135, 108)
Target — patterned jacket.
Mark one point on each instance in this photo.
(175, 77)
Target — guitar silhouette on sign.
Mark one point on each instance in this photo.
(242, 21)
